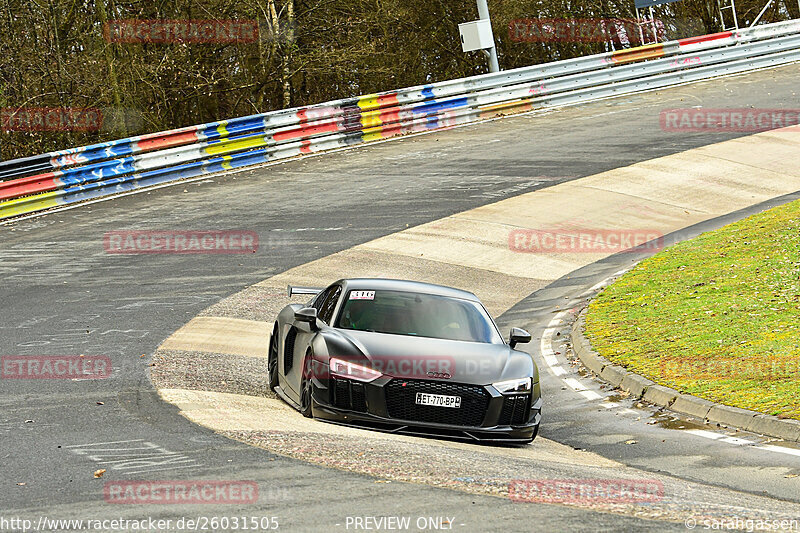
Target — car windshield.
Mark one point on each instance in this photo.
(421, 315)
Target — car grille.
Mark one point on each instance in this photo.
(347, 394)
(515, 409)
(401, 402)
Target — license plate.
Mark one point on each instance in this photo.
(438, 400)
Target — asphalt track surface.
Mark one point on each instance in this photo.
(62, 295)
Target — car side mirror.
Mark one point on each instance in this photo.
(518, 336)
(308, 315)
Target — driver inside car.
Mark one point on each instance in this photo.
(357, 316)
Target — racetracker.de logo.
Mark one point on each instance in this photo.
(734, 120)
(50, 119)
(180, 492)
(584, 240)
(55, 366)
(180, 242)
(406, 366)
(552, 30)
(577, 491)
(181, 31)
(720, 367)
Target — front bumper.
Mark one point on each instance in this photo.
(368, 407)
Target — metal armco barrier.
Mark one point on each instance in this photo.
(58, 178)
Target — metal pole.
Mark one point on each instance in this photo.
(761, 14)
(653, 22)
(483, 14)
(639, 24)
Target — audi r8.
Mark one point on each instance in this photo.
(406, 357)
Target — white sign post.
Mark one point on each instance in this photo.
(477, 35)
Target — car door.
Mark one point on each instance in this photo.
(299, 337)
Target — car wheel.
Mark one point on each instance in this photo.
(306, 387)
(272, 359)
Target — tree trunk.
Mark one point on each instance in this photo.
(118, 125)
(793, 7)
(288, 49)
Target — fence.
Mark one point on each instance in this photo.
(68, 176)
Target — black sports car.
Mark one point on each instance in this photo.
(404, 356)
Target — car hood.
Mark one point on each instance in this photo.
(412, 357)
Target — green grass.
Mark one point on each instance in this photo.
(717, 316)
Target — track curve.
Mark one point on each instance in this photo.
(469, 250)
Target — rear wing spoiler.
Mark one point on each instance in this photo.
(302, 290)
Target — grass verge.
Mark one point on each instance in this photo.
(717, 316)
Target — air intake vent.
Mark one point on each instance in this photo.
(515, 410)
(288, 350)
(349, 395)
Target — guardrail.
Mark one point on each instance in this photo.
(68, 176)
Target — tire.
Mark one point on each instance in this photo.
(272, 359)
(306, 388)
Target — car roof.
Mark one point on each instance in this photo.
(377, 284)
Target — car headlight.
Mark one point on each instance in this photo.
(353, 371)
(512, 386)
